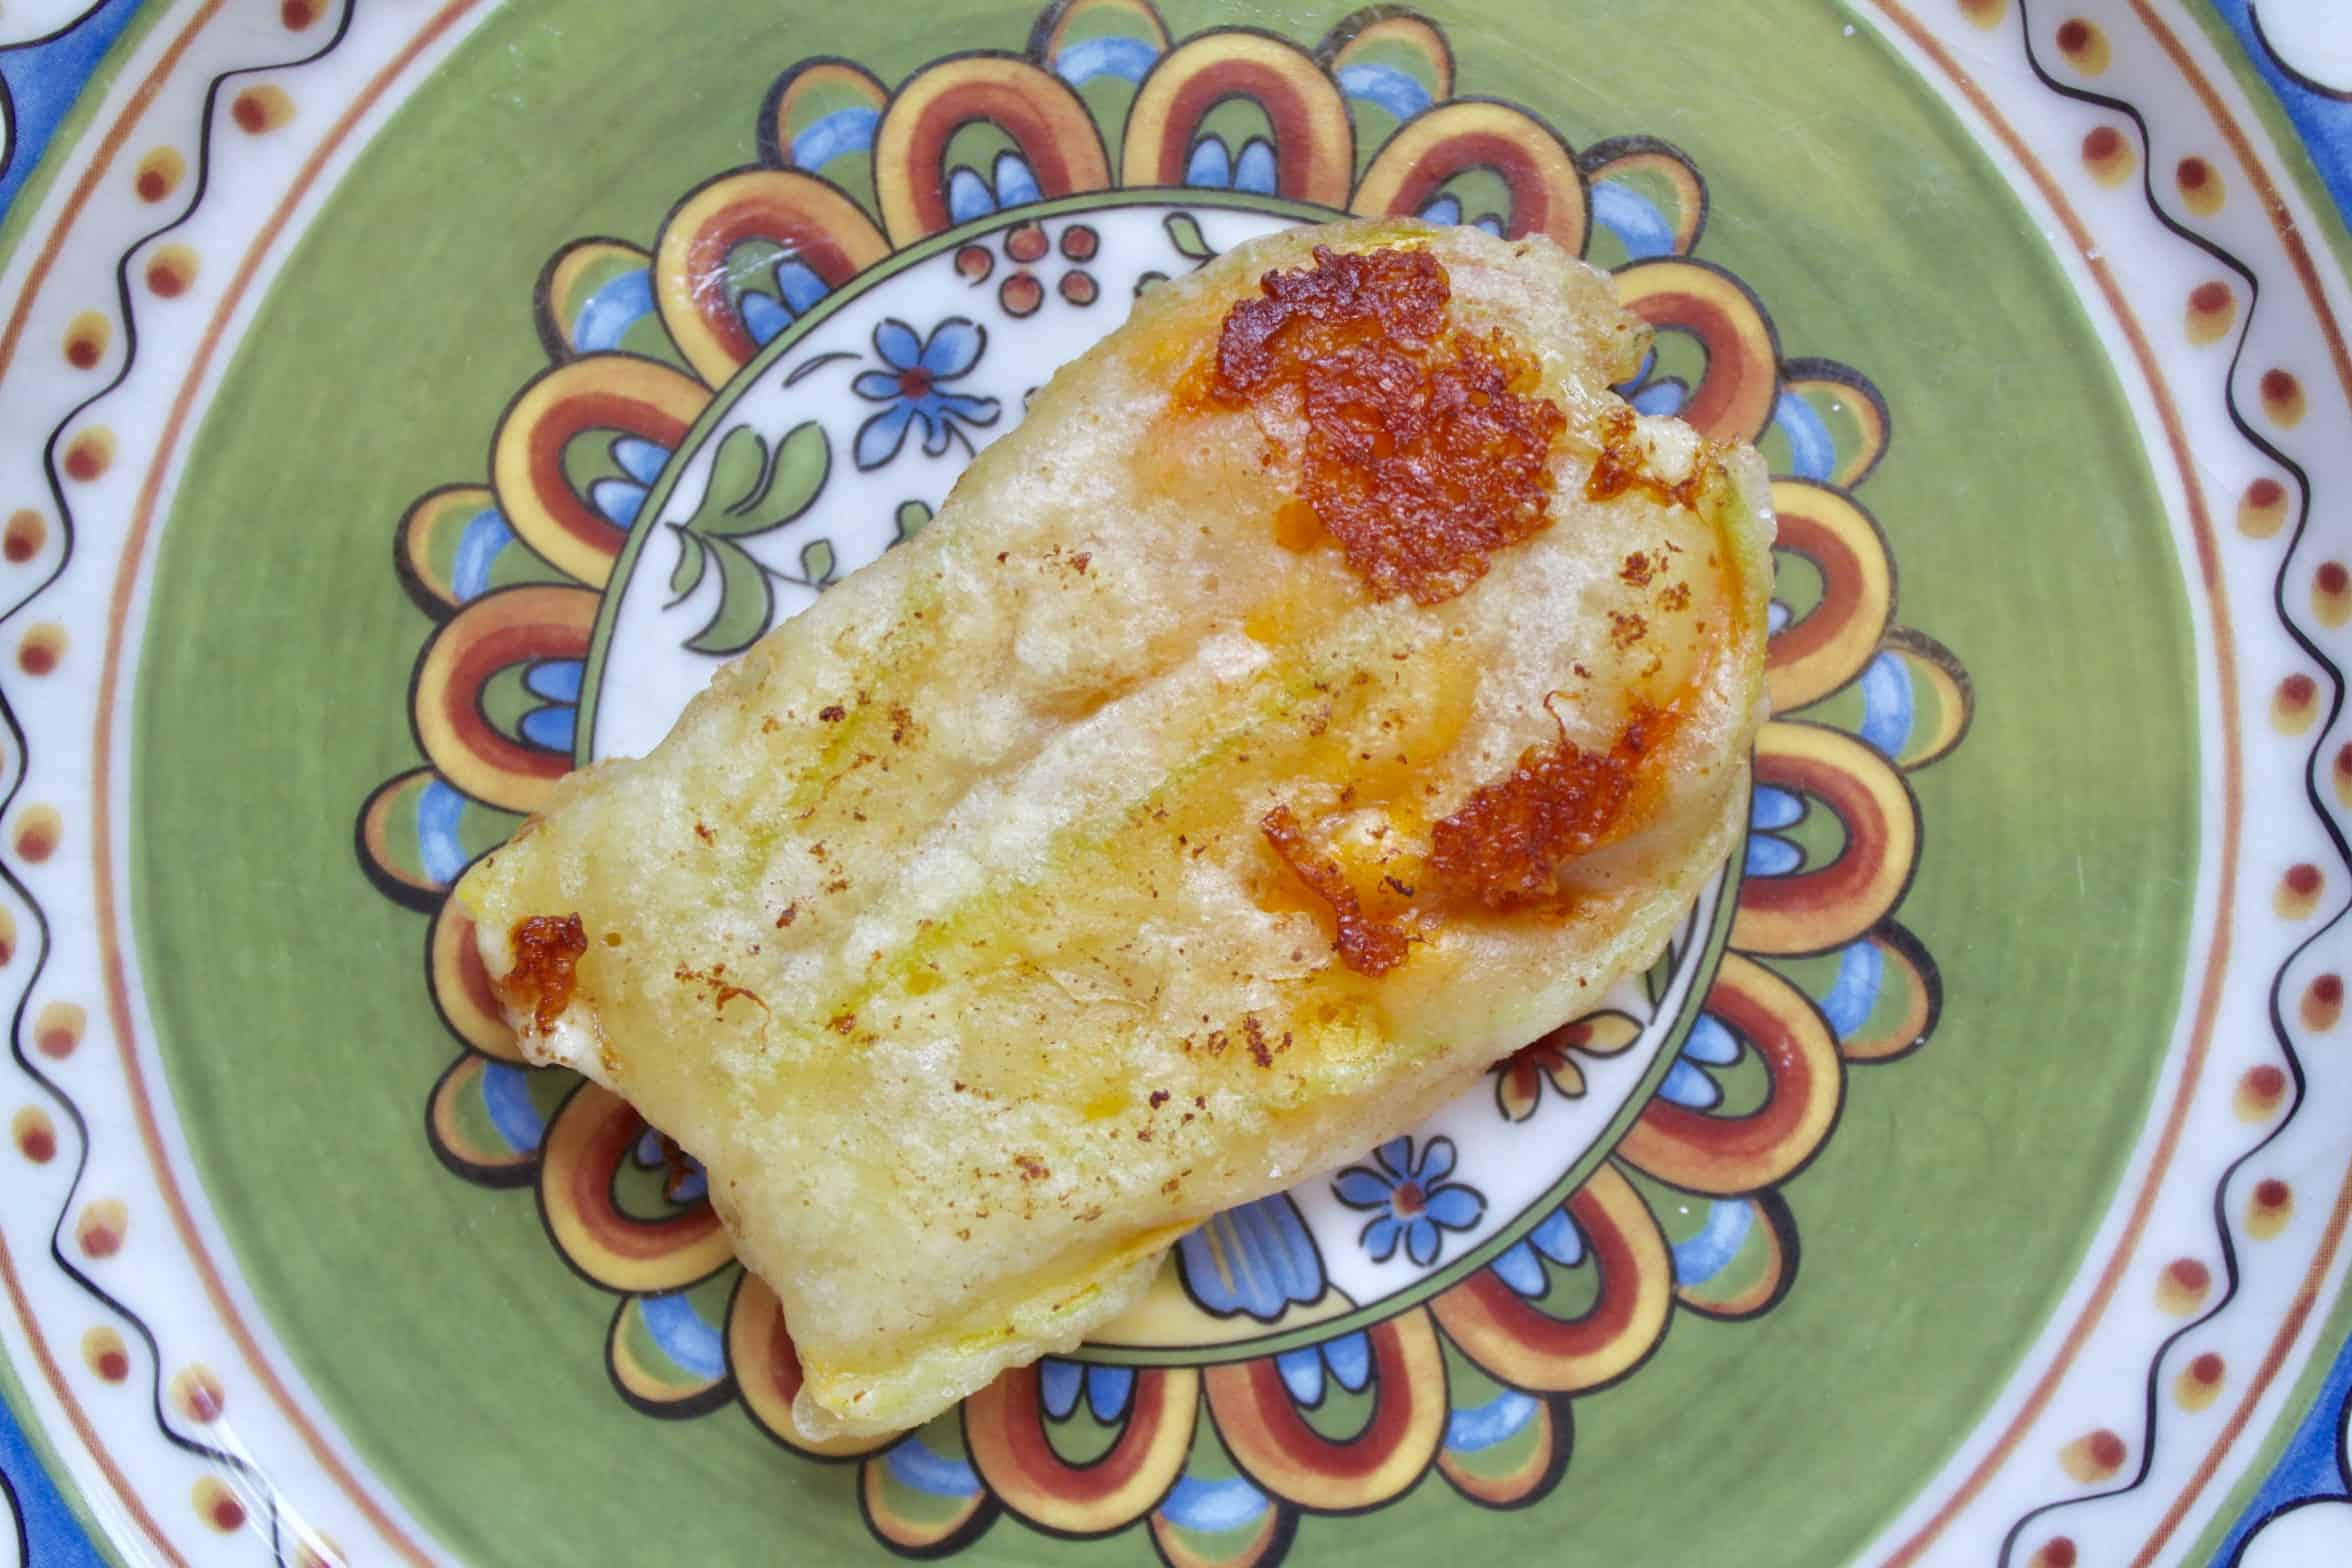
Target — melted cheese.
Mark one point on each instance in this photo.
(986, 926)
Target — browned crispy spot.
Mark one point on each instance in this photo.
(1506, 845)
(1425, 452)
(547, 951)
(721, 991)
(1367, 945)
(1622, 464)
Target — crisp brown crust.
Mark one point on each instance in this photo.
(1425, 450)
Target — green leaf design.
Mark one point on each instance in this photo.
(913, 518)
(747, 602)
(779, 491)
(752, 491)
(1660, 976)
(1184, 232)
(686, 576)
(1148, 282)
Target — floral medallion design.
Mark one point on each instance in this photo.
(785, 383)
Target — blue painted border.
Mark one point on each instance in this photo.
(2312, 1466)
(2324, 122)
(41, 80)
(47, 1532)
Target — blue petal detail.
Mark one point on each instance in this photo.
(1699, 1258)
(1662, 397)
(829, 136)
(1437, 1161)
(954, 347)
(1861, 970)
(1628, 388)
(800, 285)
(968, 196)
(1456, 1207)
(880, 437)
(438, 811)
(551, 728)
(1015, 185)
(1058, 1382)
(974, 410)
(1396, 1157)
(1126, 58)
(915, 1465)
(1350, 1359)
(1886, 704)
(1811, 451)
(1772, 857)
(896, 342)
(1421, 1243)
(1107, 1389)
(1770, 807)
(1444, 209)
(1519, 1268)
(1558, 1239)
(1302, 1374)
(1776, 615)
(1711, 1043)
(936, 430)
(1254, 170)
(485, 534)
(1213, 1507)
(557, 680)
(1490, 223)
(606, 316)
(1380, 1238)
(506, 1096)
(617, 499)
(640, 459)
(1640, 227)
(880, 386)
(682, 1334)
(1209, 164)
(1359, 1188)
(1686, 1085)
(1386, 86)
(1498, 1420)
(1257, 1259)
(762, 317)
(695, 1187)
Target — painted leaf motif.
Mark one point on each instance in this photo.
(1184, 232)
(780, 488)
(747, 602)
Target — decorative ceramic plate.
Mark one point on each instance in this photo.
(405, 401)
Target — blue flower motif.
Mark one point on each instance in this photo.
(1347, 1358)
(1522, 1266)
(1652, 393)
(682, 1179)
(1709, 1044)
(797, 287)
(1258, 1258)
(619, 497)
(1009, 183)
(910, 386)
(556, 683)
(1448, 209)
(1107, 1388)
(1211, 166)
(1412, 1199)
